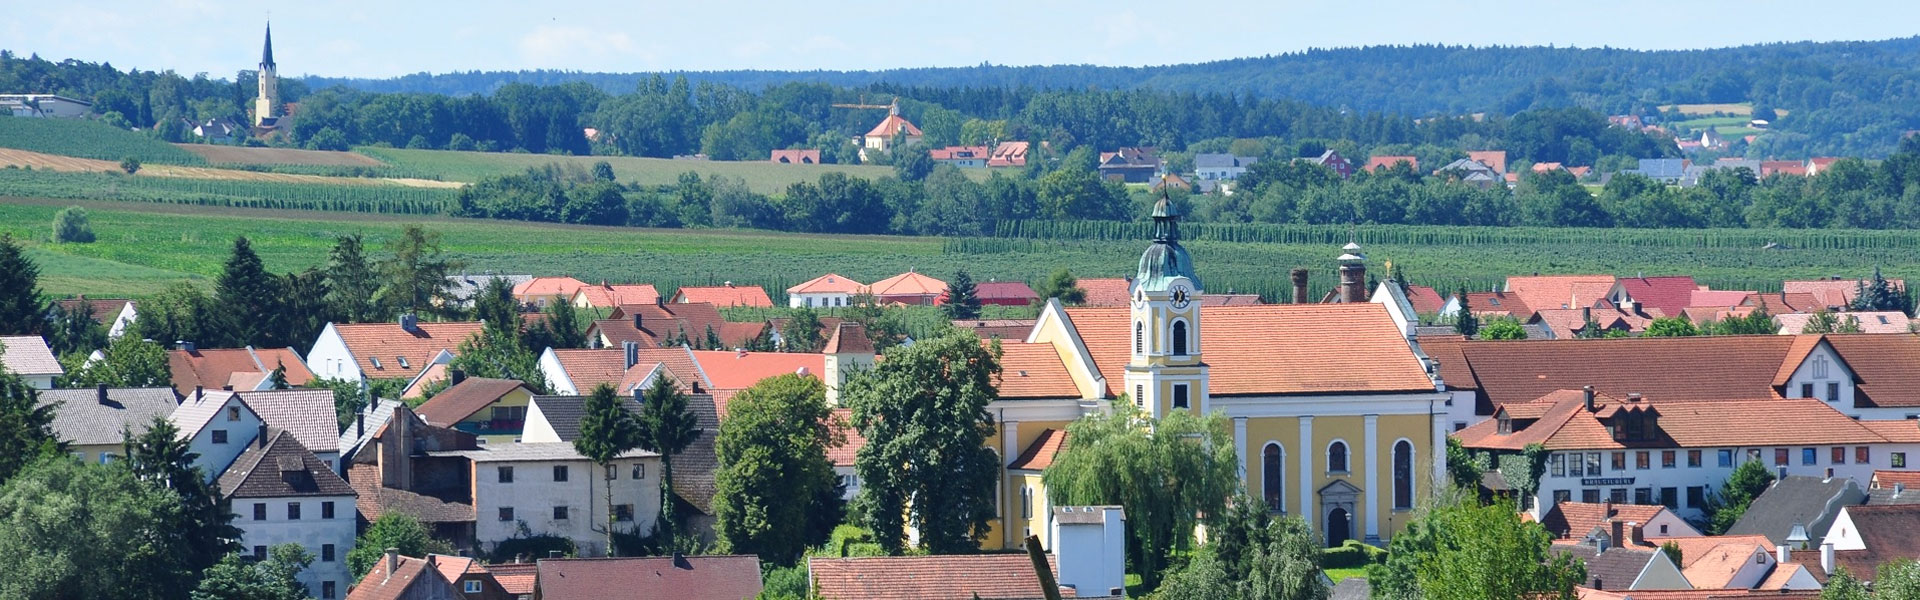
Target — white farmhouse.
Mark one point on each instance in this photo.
(359, 351)
(219, 425)
(550, 489)
(282, 494)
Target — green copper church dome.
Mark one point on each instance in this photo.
(1165, 260)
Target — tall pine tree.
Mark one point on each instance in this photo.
(248, 300)
(669, 428)
(21, 310)
(1464, 321)
(164, 461)
(963, 299)
(26, 426)
(352, 281)
(607, 430)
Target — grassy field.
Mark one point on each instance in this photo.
(761, 177)
(89, 139)
(241, 155)
(144, 247)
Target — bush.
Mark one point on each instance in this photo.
(784, 583)
(1352, 555)
(534, 547)
(70, 225)
(850, 540)
(130, 164)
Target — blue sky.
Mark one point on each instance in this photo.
(396, 37)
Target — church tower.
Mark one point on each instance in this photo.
(1165, 371)
(266, 108)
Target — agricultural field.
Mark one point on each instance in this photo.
(241, 155)
(1729, 127)
(1741, 108)
(144, 247)
(266, 191)
(51, 162)
(761, 177)
(89, 139)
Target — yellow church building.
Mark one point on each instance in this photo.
(1337, 416)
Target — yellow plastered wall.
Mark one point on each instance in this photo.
(1054, 332)
(1010, 520)
(518, 397)
(1416, 429)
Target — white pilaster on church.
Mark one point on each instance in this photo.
(1439, 450)
(1372, 425)
(1240, 447)
(1009, 442)
(1307, 508)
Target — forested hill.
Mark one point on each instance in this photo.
(1412, 80)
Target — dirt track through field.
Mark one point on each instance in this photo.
(67, 163)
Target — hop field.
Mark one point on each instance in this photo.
(144, 247)
(90, 139)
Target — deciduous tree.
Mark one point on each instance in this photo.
(392, 530)
(1725, 506)
(1503, 329)
(924, 414)
(1461, 550)
(1671, 327)
(773, 466)
(127, 362)
(1062, 285)
(276, 578)
(74, 530)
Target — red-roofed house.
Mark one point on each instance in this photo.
(723, 295)
(1492, 158)
(965, 157)
(242, 369)
(797, 156)
(1130, 165)
(1541, 292)
(1009, 154)
(654, 325)
(1425, 299)
(1783, 167)
(540, 290)
(1004, 293)
(824, 291)
(1667, 295)
(1576, 520)
(739, 370)
(117, 314)
(1379, 163)
(883, 135)
(359, 351)
(909, 288)
(609, 296)
(939, 577)
(1834, 293)
(396, 577)
(1820, 164)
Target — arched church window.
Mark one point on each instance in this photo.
(1273, 477)
(1139, 337)
(1403, 475)
(1179, 338)
(1337, 457)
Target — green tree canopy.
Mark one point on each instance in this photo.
(924, 414)
(127, 362)
(1671, 327)
(963, 300)
(248, 299)
(352, 281)
(21, 310)
(1460, 550)
(1506, 328)
(416, 274)
(667, 426)
(164, 460)
(276, 578)
(1164, 472)
(1465, 321)
(802, 332)
(73, 530)
(1725, 506)
(773, 459)
(607, 430)
(1061, 284)
(392, 530)
(26, 427)
(70, 225)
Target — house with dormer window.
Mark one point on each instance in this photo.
(358, 351)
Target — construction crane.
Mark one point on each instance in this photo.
(893, 108)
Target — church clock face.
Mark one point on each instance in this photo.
(1181, 296)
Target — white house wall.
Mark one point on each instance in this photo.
(533, 494)
(310, 531)
(330, 358)
(240, 432)
(1709, 475)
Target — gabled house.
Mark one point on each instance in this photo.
(891, 130)
(909, 288)
(117, 314)
(470, 578)
(1669, 171)
(393, 463)
(1004, 293)
(1615, 568)
(1834, 293)
(1130, 165)
(1382, 163)
(723, 295)
(396, 577)
(555, 421)
(1891, 321)
(1541, 292)
(1106, 291)
(1004, 329)
(659, 325)
(218, 426)
(282, 494)
(607, 296)
(1865, 537)
(1662, 296)
(578, 371)
(93, 422)
(679, 577)
(29, 357)
(1732, 563)
(1572, 520)
(1894, 487)
(965, 157)
(1220, 167)
(1797, 510)
(493, 410)
(359, 351)
(235, 369)
(550, 489)
(1009, 154)
(1332, 160)
(1493, 159)
(824, 291)
(541, 290)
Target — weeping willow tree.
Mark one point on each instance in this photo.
(1164, 472)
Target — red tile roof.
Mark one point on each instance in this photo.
(724, 295)
(652, 324)
(1106, 291)
(1492, 158)
(1560, 291)
(1832, 293)
(215, 369)
(456, 403)
(735, 370)
(1498, 303)
(1669, 293)
(1565, 424)
(1009, 154)
(1525, 370)
(960, 153)
(1783, 303)
(1387, 162)
(1573, 520)
(1039, 455)
(1033, 371)
(1883, 367)
(1424, 299)
(940, 577)
(827, 284)
(608, 296)
(849, 337)
(590, 368)
(908, 284)
(516, 578)
(104, 310)
(893, 125)
(389, 343)
(841, 423)
(1008, 291)
(1717, 298)
(1886, 479)
(547, 287)
(681, 578)
(413, 578)
(1331, 348)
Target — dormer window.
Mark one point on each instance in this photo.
(1506, 425)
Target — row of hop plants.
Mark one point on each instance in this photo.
(1433, 235)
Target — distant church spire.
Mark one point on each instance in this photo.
(266, 53)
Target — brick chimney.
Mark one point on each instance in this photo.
(410, 323)
(1586, 394)
(1299, 286)
(1637, 534)
(631, 351)
(102, 393)
(1619, 532)
(1353, 275)
(393, 563)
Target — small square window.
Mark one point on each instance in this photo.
(473, 586)
(326, 553)
(623, 512)
(1780, 457)
(1693, 459)
(506, 513)
(326, 510)
(559, 473)
(1833, 391)
(1619, 461)
(1726, 458)
(1669, 459)
(1180, 396)
(1899, 460)
(639, 471)
(506, 474)
(219, 436)
(293, 511)
(233, 413)
(1806, 390)
(559, 513)
(1643, 460)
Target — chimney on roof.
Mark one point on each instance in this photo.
(455, 376)
(1636, 533)
(393, 563)
(1633, 396)
(187, 346)
(263, 435)
(1353, 275)
(636, 319)
(1619, 532)
(631, 351)
(1586, 394)
(410, 323)
(1826, 557)
(696, 387)
(199, 393)
(1780, 554)
(360, 424)
(430, 561)
(1299, 286)
(102, 389)
(553, 554)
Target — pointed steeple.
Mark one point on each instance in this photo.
(266, 52)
